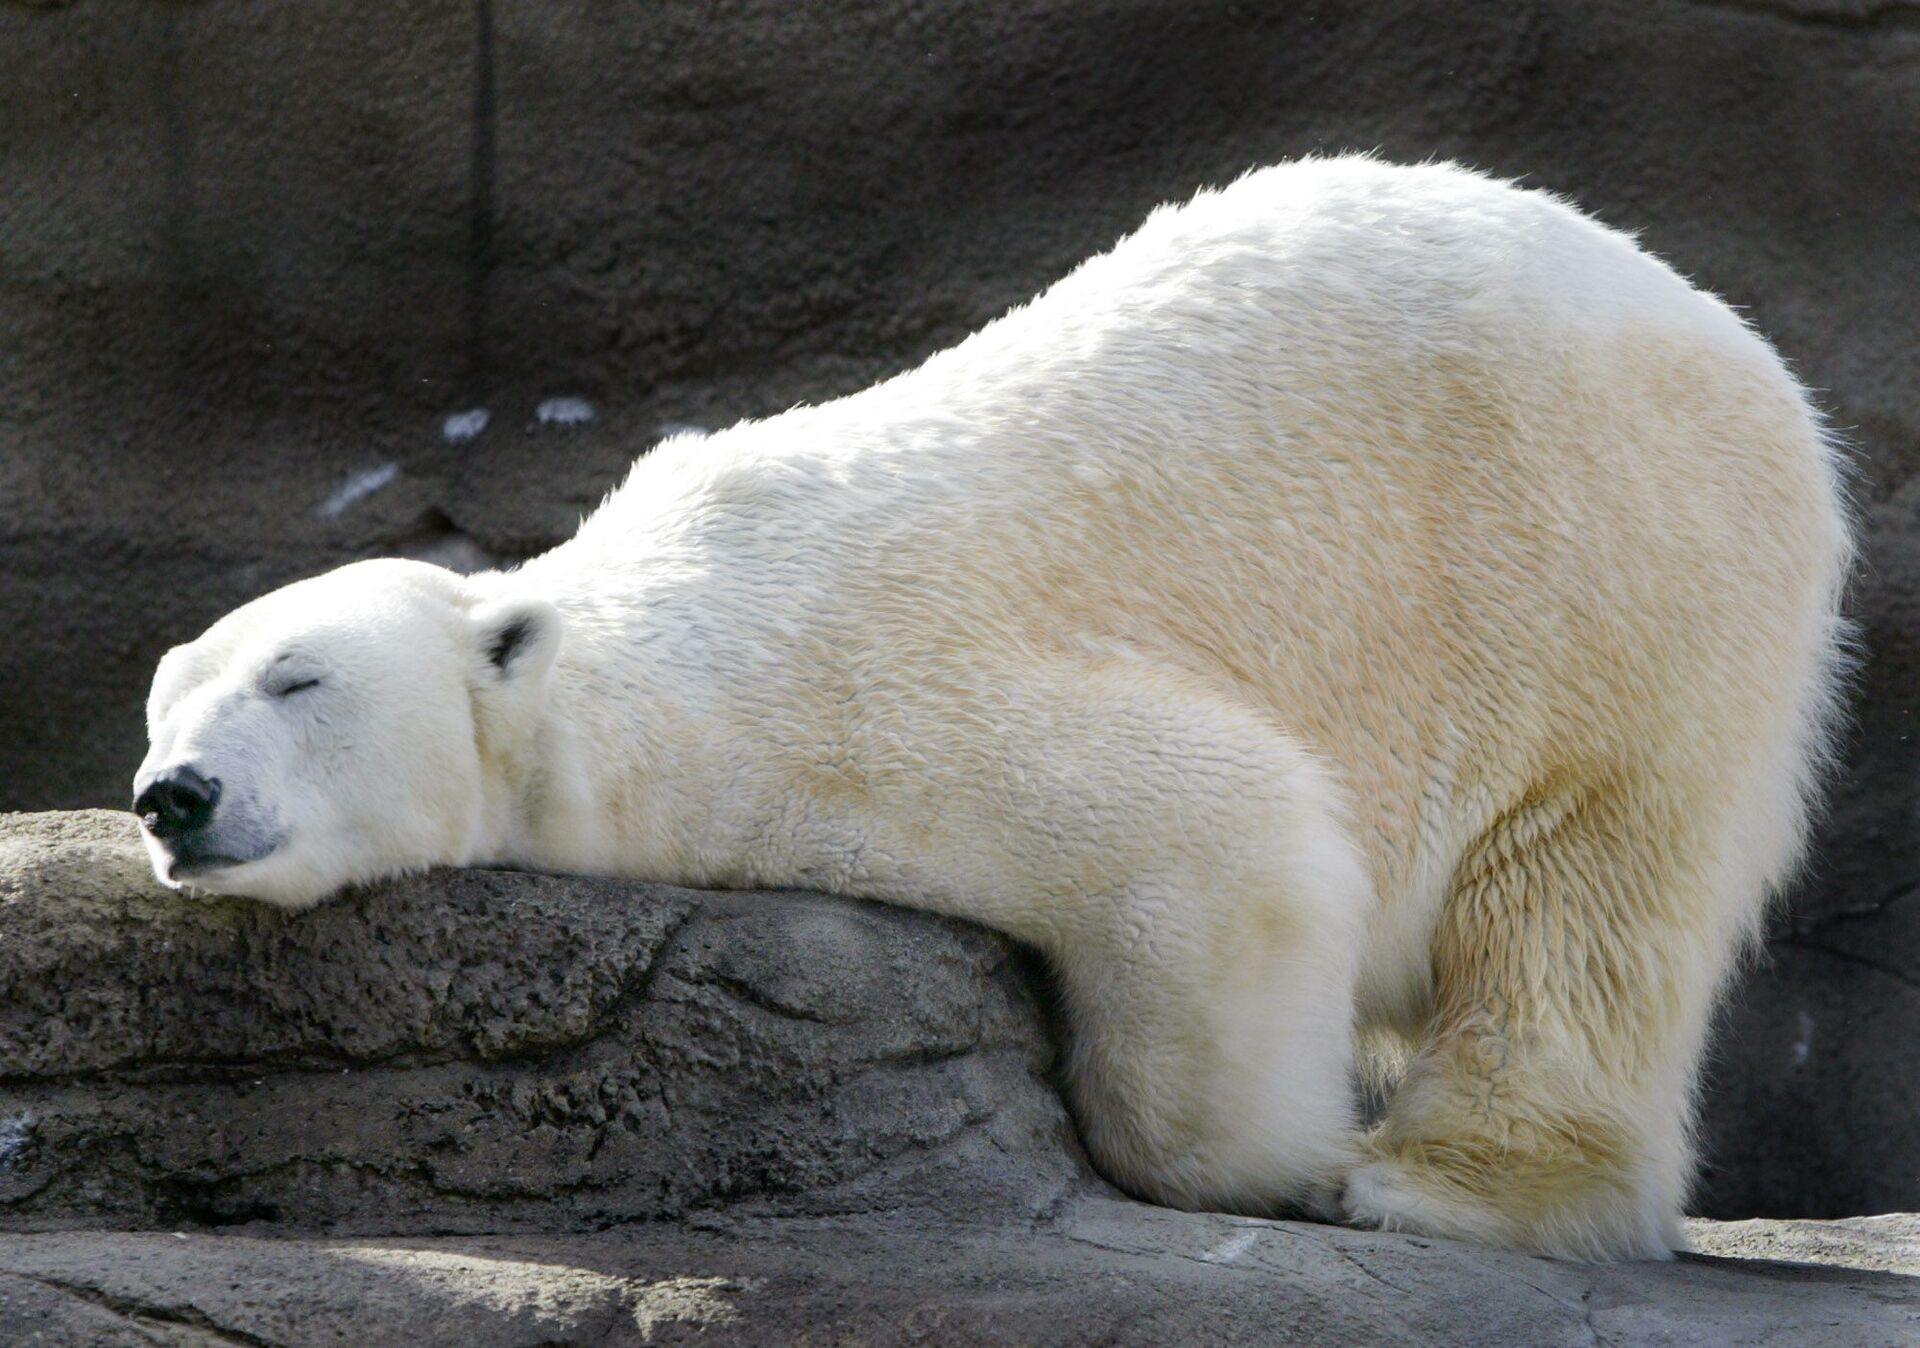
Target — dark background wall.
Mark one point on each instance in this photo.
(251, 254)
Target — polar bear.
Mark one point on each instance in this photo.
(1371, 615)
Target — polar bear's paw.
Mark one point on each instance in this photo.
(1396, 1194)
(1388, 1195)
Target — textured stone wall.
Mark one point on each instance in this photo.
(253, 257)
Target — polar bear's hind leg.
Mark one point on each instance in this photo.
(1576, 964)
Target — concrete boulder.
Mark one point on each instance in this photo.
(487, 1051)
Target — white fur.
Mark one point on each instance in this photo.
(1367, 597)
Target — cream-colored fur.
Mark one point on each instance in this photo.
(1367, 599)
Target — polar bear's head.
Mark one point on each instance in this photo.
(335, 731)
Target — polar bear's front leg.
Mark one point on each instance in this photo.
(1184, 866)
(1215, 1073)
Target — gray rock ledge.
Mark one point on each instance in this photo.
(486, 1051)
(485, 1108)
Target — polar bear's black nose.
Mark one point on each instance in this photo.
(177, 802)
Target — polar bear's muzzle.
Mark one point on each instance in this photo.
(187, 833)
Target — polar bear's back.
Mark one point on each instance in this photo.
(1350, 514)
(1464, 488)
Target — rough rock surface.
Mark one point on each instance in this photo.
(236, 313)
(481, 1108)
(488, 1051)
(1097, 1271)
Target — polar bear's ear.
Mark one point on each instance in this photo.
(516, 638)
